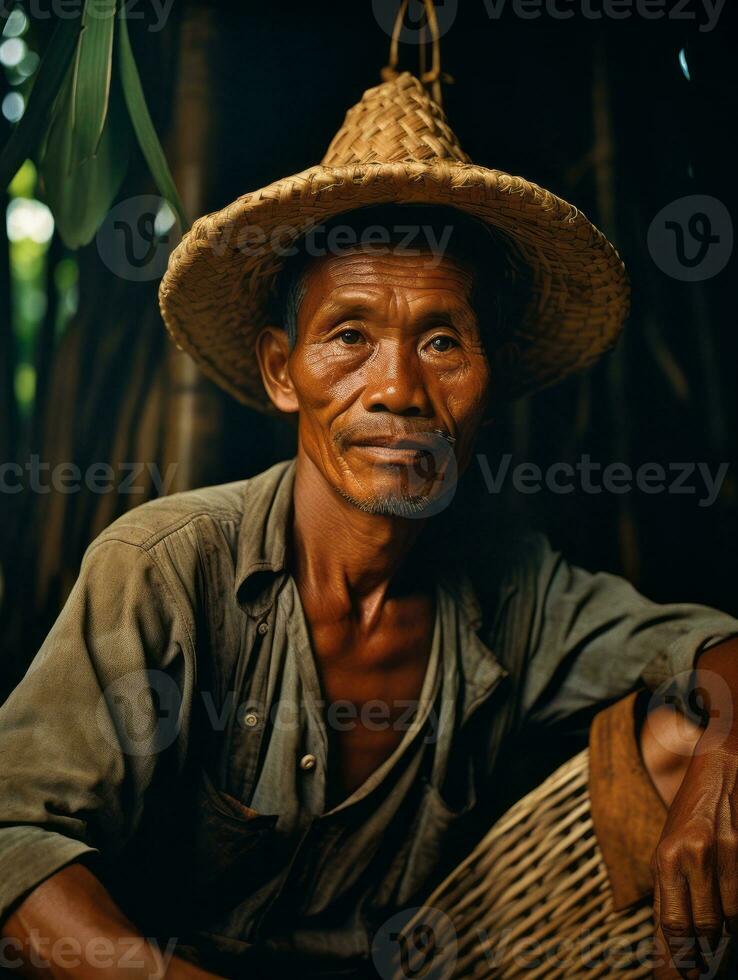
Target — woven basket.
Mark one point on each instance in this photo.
(533, 899)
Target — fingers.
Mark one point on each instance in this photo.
(688, 903)
(694, 893)
(675, 922)
(663, 969)
(727, 876)
(700, 867)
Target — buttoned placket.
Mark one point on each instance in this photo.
(325, 826)
(318, 757)
(317, 754)
(247, 718)
(314, 759)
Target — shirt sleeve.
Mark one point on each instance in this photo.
(594, 638)
(99, 707)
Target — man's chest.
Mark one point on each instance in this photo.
(371, 681)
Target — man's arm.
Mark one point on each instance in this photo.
(97, 716)
(69, 926)
(696, 862)
(592, 638)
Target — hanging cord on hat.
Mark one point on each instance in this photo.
(432, 77)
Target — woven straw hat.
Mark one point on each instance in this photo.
(395, 146)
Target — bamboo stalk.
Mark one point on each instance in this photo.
(45, 342)
(8, 410)
(616, 367)
(192, 405)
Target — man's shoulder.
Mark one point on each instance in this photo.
(223, 506)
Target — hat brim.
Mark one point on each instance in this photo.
(217, 293)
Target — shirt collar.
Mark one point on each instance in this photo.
(263, 537)
(262, 562)
(480, 666)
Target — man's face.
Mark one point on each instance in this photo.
(390, 376)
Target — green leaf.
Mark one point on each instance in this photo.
(142, 124)
(30, 131)
(91, 85)
(80, 195)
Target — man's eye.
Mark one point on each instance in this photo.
(442, 344)
(349, 336)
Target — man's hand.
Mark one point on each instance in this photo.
(696, 862)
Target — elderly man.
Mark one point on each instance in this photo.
(268, 709)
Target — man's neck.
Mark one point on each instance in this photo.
(344, 558)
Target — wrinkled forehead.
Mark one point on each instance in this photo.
(370, 281)
(371, 268)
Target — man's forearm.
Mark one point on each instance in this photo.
(69, 926)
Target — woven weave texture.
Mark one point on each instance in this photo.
(533, 899)
(395, 146)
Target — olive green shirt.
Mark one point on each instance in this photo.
(172, 729)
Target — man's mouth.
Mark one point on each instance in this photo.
(392, 442)
(405, 450)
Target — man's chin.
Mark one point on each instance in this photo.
(398, 491)
(393, 504)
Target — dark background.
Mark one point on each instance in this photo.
(598, 111)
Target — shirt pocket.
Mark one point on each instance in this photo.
(231, 847)
(435, 842)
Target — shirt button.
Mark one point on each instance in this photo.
(251, 720)
(308, 761)
(262, 628)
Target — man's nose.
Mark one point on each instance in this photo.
(396, 383)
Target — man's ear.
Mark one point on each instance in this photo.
(273, 351)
